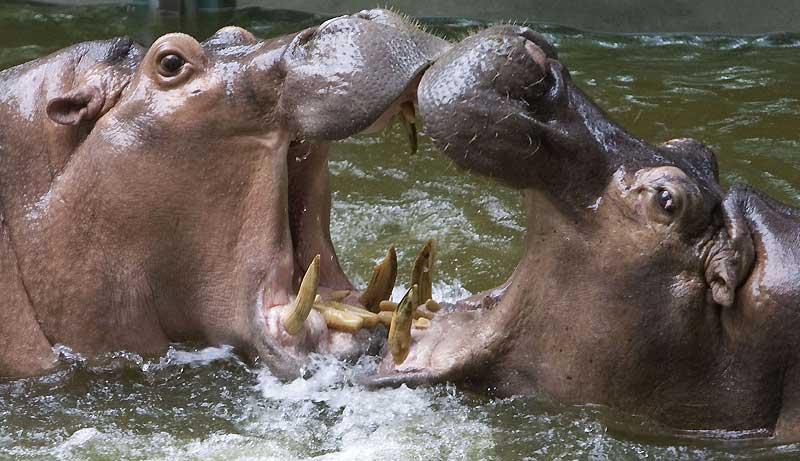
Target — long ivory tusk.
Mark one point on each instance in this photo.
(295, 317)
(382, 282)
(400, 330)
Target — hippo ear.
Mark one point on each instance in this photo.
(79, 105)
(732, 254)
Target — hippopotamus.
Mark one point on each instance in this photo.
(644, 285)
(180, 192)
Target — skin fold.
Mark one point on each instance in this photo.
(644, 285)
(180, 192)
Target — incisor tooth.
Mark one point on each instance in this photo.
(295, 317)
(338, 295)
(422, 323)
(370, 320)
(421, 275)
(382, 282)
(422, 314)
(385, 318)
(400, 330)
(340, 320)
(432, 305)
(387, 306)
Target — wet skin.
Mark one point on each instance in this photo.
(180, 192)
(643, 285)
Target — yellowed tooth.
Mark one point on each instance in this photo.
(338, 295)
(422, 323)
(408, 119)
(370, 320)
(340, 320)
(400, 329)
(432, 305)
(382, 282)
(295, 317)
(385, 318)
(422, 314)
(387, 306)
(421, 275)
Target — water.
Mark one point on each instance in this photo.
(741, 95)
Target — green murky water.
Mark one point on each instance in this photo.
(739, 94)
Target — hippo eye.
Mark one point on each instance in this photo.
(171, 65)
(666, 201)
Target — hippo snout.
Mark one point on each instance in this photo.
(499, 87)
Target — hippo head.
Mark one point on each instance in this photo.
(626, 294)
(199, 185)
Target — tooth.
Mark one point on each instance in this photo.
(385, 318)
(338, 295)
(421, 275)
(340, 320)
(400, 330)
(380, 285)
(369, 319)
(422, 314)
(296, 316)
(408, 119)
(387, 306)
(422, 324)
(432, 305)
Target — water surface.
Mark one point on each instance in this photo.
(741, 95)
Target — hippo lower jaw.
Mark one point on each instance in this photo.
(317, 309)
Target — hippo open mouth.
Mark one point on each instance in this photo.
(181, 192)
(336, 85)
(643, 285)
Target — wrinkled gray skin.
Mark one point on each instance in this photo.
(643, 285)
(178, 193)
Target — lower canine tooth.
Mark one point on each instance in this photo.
(295, 317)
(421, 274)
(400, 330)
(382, 282)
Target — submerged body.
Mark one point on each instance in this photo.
(643, 285)
(180, 192)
